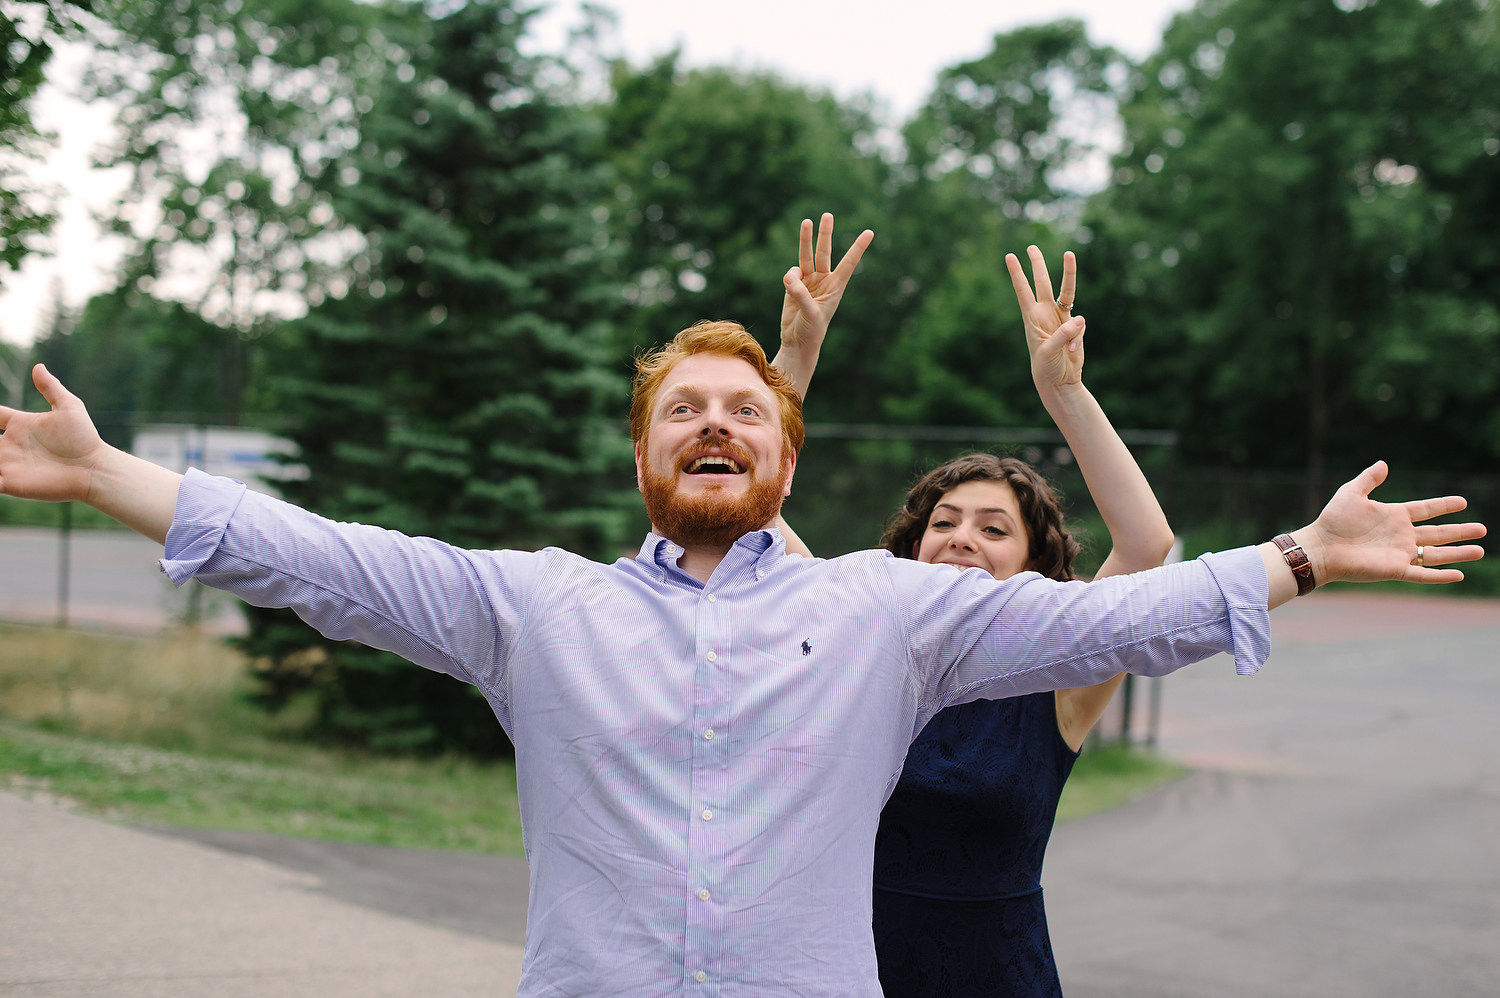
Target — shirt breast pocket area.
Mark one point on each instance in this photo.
(826, 669)
(611, 665)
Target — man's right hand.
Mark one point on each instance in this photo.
(49, 455)
(58, 456)
(813, 290)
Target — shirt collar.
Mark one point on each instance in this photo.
(764, 547)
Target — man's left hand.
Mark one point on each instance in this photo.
(1358, 539)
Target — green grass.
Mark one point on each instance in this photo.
(442, 804)
(1107, 777)
(156, 731)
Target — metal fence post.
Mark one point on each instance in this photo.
(64, 562)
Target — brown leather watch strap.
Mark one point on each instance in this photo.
(1296, 559)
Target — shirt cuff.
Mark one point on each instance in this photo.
(204, 505)
(1241, 576)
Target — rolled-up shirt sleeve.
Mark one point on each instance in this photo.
(974, 638)
(444, 608)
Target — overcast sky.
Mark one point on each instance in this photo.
(893, 50)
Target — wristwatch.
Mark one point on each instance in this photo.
(1296, 559)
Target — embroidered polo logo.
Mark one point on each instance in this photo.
(807, 647)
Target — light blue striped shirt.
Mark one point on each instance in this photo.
(701, 767)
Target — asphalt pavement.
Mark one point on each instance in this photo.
(103, 579)
(93, 910)
(1339, 834)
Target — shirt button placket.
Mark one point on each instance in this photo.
(706, 861)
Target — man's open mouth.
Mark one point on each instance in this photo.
(714, 464)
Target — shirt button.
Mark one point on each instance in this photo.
(713, 656)
(708, 815)
(700, 977)
(671, 549)
(760, 573)
(662, 577)
(708, 734)
(712, 598)
(703, 894)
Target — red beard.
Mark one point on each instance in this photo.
(709, 517)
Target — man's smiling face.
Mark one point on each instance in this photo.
(712, 466)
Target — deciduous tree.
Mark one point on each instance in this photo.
(29, 31)
(1300, 234)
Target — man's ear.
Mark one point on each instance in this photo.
(640, 485)
(791, 469)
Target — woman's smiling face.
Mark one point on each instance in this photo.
(977, 524)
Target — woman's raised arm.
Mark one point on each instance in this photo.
(1140, 536)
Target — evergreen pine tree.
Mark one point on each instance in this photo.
(464, 388)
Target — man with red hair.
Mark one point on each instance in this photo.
(705, 485)
(705, 733)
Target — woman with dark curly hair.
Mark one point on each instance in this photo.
(1050, 548)
(958, 857)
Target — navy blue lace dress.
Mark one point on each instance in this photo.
(958, 858)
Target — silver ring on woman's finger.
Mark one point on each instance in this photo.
(1065, 306)
(1419, 556)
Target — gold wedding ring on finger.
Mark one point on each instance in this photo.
(1419, 557)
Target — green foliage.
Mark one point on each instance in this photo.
(401, 170)
(231, 114)
(1299, 241)
(992, 161)
(464, 387)
(966, 362)
(103, 369)
(717, 168)
(1010, 127)
(715, 171)
(138, 359)
(29, 29)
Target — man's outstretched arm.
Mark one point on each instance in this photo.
(58, 456)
